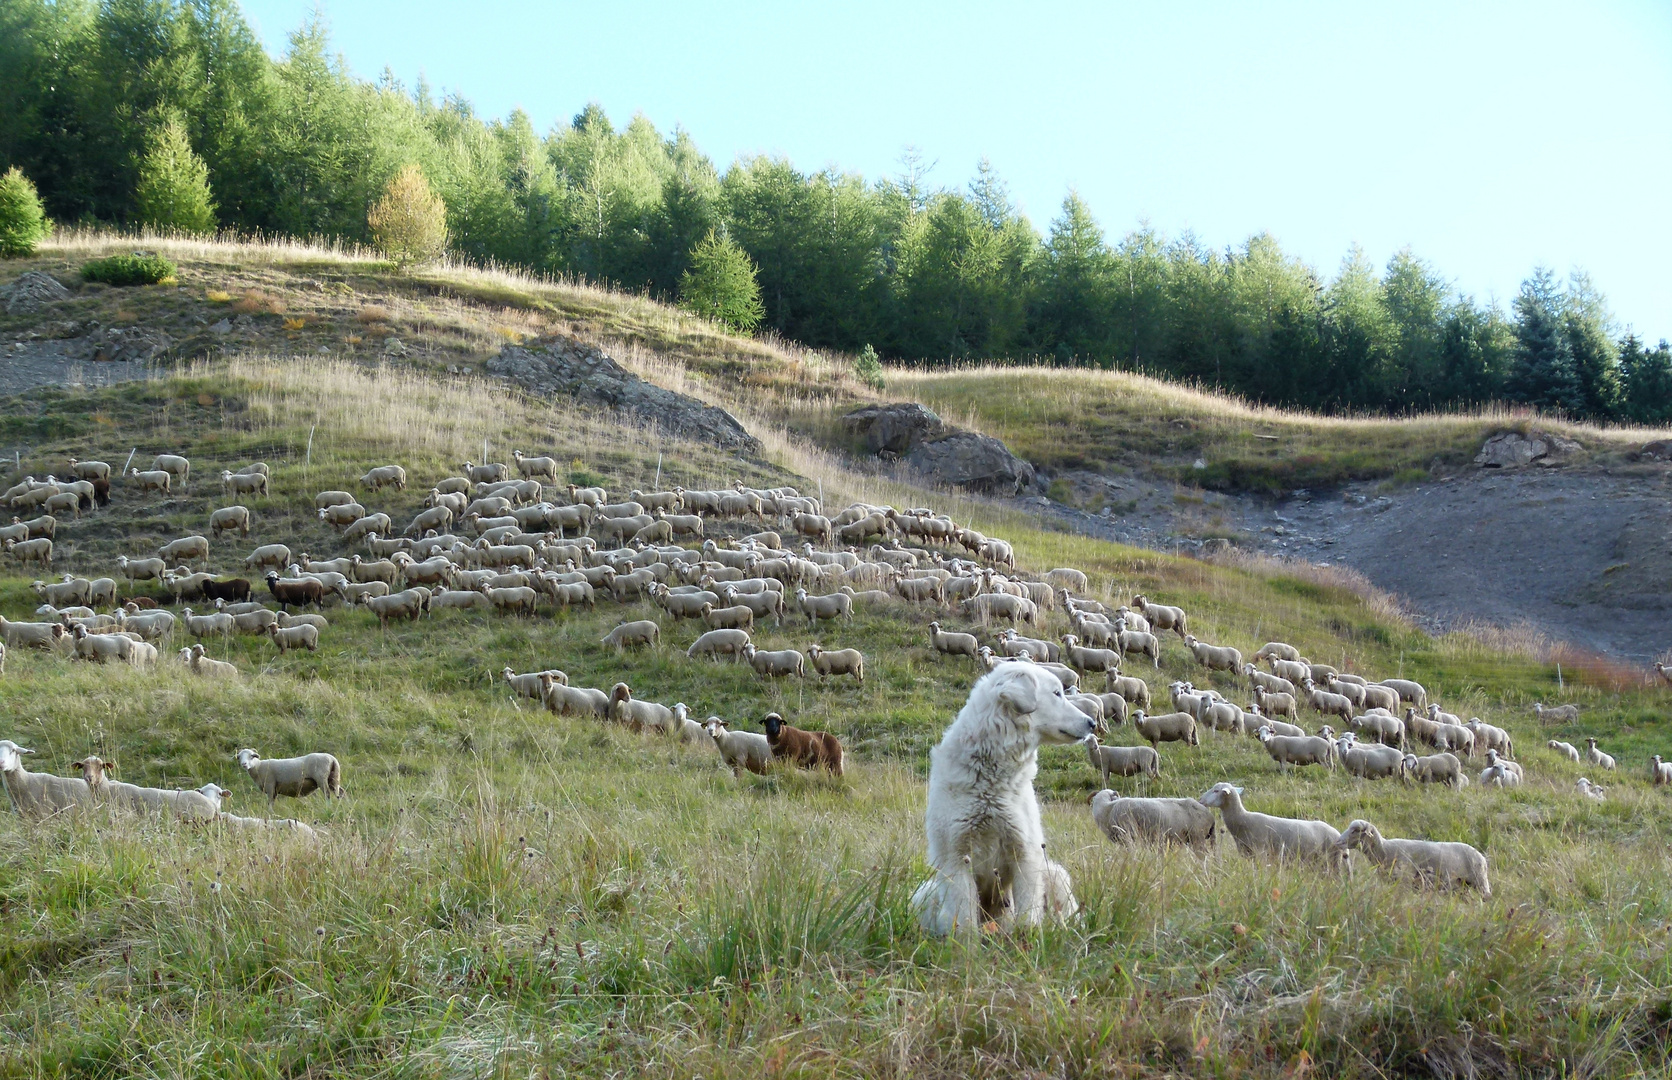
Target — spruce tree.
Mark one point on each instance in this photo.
(1647, 377)
(22, 220)
(1542, 370)
(173, 191)
(720, 283)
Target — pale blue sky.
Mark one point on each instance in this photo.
(1489, 137)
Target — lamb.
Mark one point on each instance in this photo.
(1660, 772)
(1594, 792)
(716, 642)
(1161, 616)
(1370, 761)
(642, 632)
(636, 714)
(780, 664)
(1085, 659)
(1262, 834)
(1488, 737)
(303, 636)
(385, 476)
(1441, 768)
(740, 749)
(1567, 750)
(688, 730)
(38, 795)
(1122, 760)
(1597, 757)
(206, 667)
(1159, 821)
(1512, 771)
(837, 662)
(1133, 689)
(296, 777)
(1407, 690)
(1432, 862)
(1168, 727)
(1562, 714)
(1289, 750)
(805, 749)
(1278, 649)
(833, 606)
(1213, 657)
(268, 556)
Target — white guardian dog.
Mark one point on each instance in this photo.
(986, 843)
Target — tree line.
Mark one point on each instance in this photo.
(169, 112)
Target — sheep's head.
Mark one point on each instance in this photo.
(1220, 795)
(774, 724)
(247, 758)
(1359, 833)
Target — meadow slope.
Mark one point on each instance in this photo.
(509, 892)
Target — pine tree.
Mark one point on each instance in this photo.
(22, 221)
(173, 191)
(409, 223)
(720, 283)
(1596, 363)
(1647, 377)
(1542, 371)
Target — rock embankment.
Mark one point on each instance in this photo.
(914, 434)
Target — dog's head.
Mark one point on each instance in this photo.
(1031, 695)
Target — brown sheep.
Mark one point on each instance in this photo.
(805, 749)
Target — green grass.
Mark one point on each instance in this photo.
(508, 892)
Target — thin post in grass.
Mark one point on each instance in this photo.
(1559, 684)
(130, 460)
(657, 486)
(307, 456)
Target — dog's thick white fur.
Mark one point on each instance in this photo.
(986, 843)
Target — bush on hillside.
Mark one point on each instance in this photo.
(409, 223)
(135, 269)
(721, 285)
(22, 219)
(173, 191)
(868, 367)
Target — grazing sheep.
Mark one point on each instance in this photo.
(1278, 649)
(637, 714)
(1161, 616)
(39, 550)
(298, 591)
(1213, 657)
(1384, 727)
(243, 484)
(1407, 690)
(1158, 821)
(1597, 757)
(1262, 834)
(833, 606)
(406, 604)
(1430, 862)
(70, 592)
(740, 749)
(1567, 750)
(727, 618)
(268, 556)
(1594, 792)
(1488, 737)
(837, 662)
(385, 476)
(35, 635)
(90, 470)
(303, 636)
(1562, 714)
(1122, 760)
(38, 795)
(642, 632)
(1289, 750)
(1275, 704)
(173, 464)
(1168, 727)
(1441, 768)
(1370, 761)
(804, 749)
(228, 518)
(717, 642)
(779, 664)
(1135, 690)
(1274, 684)
(1326, 703)
(296, 777)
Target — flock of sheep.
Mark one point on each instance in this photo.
(509, 538)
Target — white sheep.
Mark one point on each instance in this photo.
(295, 777)
(1562, 714)
(1407, 690)
(1433, 862)
(1159, 821)
(740, 749)
(1594, 792)
(1161, 616)
(688, 730)
(1278, 649)
(200, 664)
(837, 662)
(1262, 834)
(1567, 750)
(1660, 772)
(1135, 690)
(1289, 750)
(38, 795)
(1168, 727)
(953, 644)
(1597, 757)
(1122, 760)
(833, 606)
(1088, 659)
(1370, 761)
(1488, 737)
(642, 632)
(1441, 768)
(1213, 657)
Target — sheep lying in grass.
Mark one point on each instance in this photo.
(296, 777)
(573, 700)
(1122, 760)
(1441, 864)
(740, 749)
(38, 795)
(1594, 792)
(1561, 714)
(202, 665)
(1567, 750)
(1597, 757)
(1159, 821)
(1262, 834)
(1503, 772)
(1441, 768)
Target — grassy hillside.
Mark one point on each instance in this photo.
(508, 892)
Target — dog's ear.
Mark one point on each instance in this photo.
(1019, 694)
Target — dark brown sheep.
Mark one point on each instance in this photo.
(298, 591)
(806, 749)
(235, 591)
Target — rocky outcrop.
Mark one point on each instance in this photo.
(893, 428)
(31, 292)
(128, 344)
(973, 462)
(1513, 450)
(569, 368)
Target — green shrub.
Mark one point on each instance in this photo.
(868, 367)
(22, 220)
(133, 269)
(173, 192)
